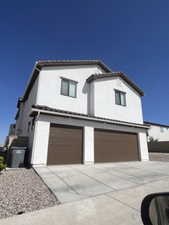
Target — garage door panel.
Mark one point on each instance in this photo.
(65, 145)
(111, 146)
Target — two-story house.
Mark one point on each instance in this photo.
(81, 112)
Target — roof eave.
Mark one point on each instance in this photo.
(49, 63)
(155, 124)
(35, 111)
(94, 77)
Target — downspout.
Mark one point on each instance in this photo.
(38, 115)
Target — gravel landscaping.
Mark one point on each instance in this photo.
(22, 190)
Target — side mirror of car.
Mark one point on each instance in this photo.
(155, 209)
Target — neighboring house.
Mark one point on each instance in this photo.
(13, 139)
(11, 130)
(157, 132)
(81, 112)
(158, 137)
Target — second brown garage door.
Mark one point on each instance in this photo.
(65, 145)
(115, 146)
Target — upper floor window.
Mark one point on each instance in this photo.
(120, 98)
(68, 87)
(162, 129)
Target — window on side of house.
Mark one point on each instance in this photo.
(68, 87)
(120, 98)
(162, 129)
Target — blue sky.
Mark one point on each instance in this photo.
(128, 35)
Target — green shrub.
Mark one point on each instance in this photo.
(2, 163)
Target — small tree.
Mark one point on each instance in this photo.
(152, 140)
(2, 163)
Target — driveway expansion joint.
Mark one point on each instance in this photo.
(98, 181)
(70, 187)
(123, 203)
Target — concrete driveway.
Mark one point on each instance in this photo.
(99, 194)
(75, 182)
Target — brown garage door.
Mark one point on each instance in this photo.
(115, 146)
(65, 145)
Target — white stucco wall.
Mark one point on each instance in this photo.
(24, 118)
(88, 144)
(28, 106)
(50, 87)
(40, 143)
(91, 99)
(159, 133)
(104, 101)
(40, 146)
(142, 137)
(96, 98)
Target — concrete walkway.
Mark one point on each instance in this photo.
(107, 193)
